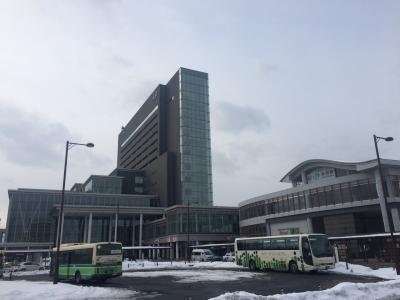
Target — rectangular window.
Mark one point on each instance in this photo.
(266, 244)
(139, 190)
(138, 179)
(292, 243)
(278, 244)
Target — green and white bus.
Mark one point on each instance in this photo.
(299, 252)
(96, 261)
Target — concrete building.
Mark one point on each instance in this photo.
(337, 198)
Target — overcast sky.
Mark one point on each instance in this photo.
(289, 81)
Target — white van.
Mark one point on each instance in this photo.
(202, 255)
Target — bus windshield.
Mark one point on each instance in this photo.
(109, 249)
(320, 245)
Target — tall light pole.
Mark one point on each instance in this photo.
(388, 212)
(68, 146)
(187, 229)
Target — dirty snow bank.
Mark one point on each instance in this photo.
(185, 276)
(345, 290)
(385, 273)
(146, 265)
(27, 290)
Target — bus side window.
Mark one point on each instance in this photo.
(240, 245)
(292, 243)
(266, 244)
(64, 258)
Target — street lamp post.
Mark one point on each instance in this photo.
(188, 231)
(68, 146)
(388, 212)
(188, 238)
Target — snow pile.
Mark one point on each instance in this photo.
(26, 290)
(140, 265)
(385, 273)
(355, 291)
(185, 276)
(27, 273)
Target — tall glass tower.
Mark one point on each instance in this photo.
(195, 144)
(169, 139)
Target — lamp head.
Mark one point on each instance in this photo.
(389, 139)
(90, 145)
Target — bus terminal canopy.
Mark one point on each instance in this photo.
(49, 250)
(144, 247)
(26, 251)
(212, 245)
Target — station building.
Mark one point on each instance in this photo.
(159, 194)
(343, 200)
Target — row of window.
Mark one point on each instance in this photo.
(76, 257)
(289, 243)
(30, 213)
(139, 155)
(328, 195)
(257, 229)
(202, 223)
(143, 133)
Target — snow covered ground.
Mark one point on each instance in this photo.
(356, 291)
(27, 290)
(140, 265)
(385, 273)
(185, 276)
(26, 273)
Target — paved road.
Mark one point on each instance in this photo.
(167, 287)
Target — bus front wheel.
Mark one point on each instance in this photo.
(78, 278)
(252, 265)
(293, 268)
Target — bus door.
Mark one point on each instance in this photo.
(65, 262)
(306, 249)
(69, 256)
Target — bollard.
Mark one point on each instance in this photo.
(347, 264)
(282, 291)
(319, 286)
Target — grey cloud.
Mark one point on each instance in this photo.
(222, 163)
(266, 69)
(29, 140)
(33, 141)
(235, 118)
(122, 61)
(138, 92)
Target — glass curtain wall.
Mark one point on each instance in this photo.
(323, 196)
(195, 142)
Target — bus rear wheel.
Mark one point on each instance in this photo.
(252, 265)
(78, 278)
(293, 268)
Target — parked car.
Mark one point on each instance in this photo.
(202, 255)
(229, 256)
(29, 266)
(46, 262)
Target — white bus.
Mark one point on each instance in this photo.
(299, 252)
